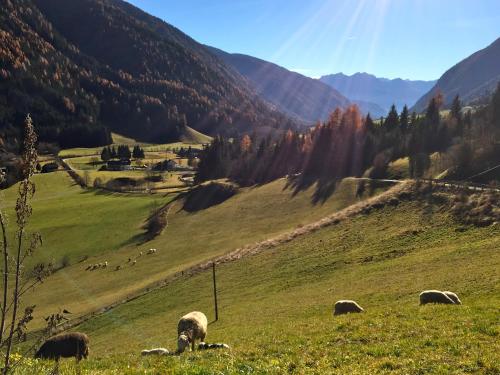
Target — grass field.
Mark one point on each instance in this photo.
(276, 307)
(76, 222)
(192, 138)
(88, 167)
(107, 227)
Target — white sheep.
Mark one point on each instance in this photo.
(346, 307)
(105, 265)
(435, 296)
(151, 251)
(191, 327)
(155, 351)
(453, 297)
(134, 262)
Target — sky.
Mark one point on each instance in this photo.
(411, 39)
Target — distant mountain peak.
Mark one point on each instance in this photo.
(366, 87)
(291, 92)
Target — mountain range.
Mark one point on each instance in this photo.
(294, 94)
(380, 91)
(85, 67)
(473, 78)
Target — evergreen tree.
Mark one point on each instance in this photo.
(456, 116)
(456, 108)
(392, 120)
(124, 152)
(105, 154)
(137, 152)
(404, 120)
(369, 124)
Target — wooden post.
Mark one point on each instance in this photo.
(215, 293)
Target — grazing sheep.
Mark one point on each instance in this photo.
(205, 346)
(155, 351)
(191, 327)
(129, 260)
(88, 267)
(140, 253)
(151, 251)
(118, 268)
(453, 297)
(134, 262)
(74, 344)
(435, 296)
(346, 307)
(105, 264)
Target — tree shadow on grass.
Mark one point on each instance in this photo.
(325, 187)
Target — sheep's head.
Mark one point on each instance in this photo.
(182, 343)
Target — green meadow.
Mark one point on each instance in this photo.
(276, 306)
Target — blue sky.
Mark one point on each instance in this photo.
(414, 39)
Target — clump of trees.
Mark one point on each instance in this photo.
(121, 152)
(348, 144)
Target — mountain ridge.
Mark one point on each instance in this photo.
(381, 91)
(87, 67)
(293, 93)
(473, 78)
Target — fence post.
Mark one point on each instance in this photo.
(215, 293)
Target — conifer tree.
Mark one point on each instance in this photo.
(404, 120)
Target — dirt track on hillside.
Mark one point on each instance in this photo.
(393, 196)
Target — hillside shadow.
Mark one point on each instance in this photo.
(205, 196)
(325, 187)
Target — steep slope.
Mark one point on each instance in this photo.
(292, 93)
(97, 64)
(472, 78)
(381, 91)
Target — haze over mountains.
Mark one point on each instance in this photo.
(473, 78)
(293, 93)
(380, 91)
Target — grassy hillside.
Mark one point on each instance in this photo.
(190, 138)
(276, 307)
(76, 222)
(107, 227)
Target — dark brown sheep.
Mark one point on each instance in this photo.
(66, 345)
